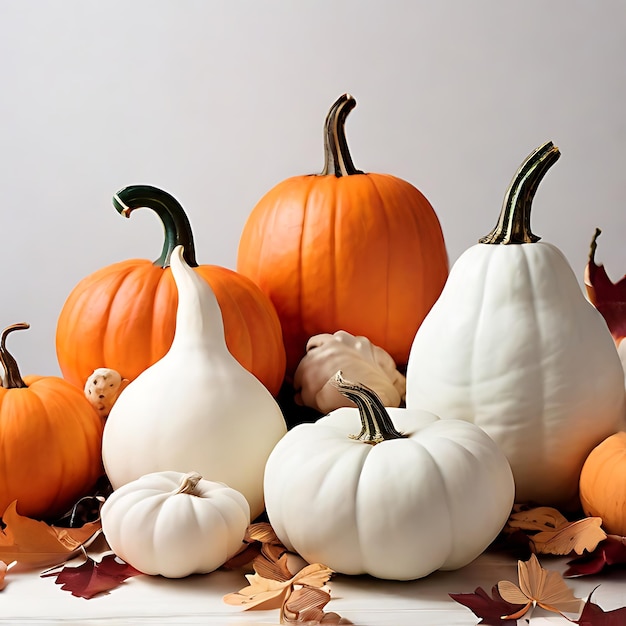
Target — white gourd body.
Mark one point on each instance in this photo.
(513, 346)
(196, 409)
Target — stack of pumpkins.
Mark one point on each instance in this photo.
(512, 378)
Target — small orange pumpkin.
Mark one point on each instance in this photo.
(345, 250)
(123, 316)
(50, 441)
(603, 483)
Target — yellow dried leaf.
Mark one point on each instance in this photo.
(315, 575)
(542, 587)
(261, 593)
(261, 532)
(578, 536)
(539, 518)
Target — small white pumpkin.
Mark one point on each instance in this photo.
(196, 409)
(358, 358)
(175, 524)
(513, 346)
(379, 502)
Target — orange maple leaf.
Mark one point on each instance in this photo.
(34, 543)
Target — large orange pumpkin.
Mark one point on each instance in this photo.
(345, 250)
(603, 483)
(50, 441)
(123, 316)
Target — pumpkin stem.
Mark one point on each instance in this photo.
(12, 378)
(175, 222)
(337, 159)
(375, 420)
(188, 483)
(514, 222)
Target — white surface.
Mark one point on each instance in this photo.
(29, 599)
(218, 101)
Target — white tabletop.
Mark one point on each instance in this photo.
(31, 599)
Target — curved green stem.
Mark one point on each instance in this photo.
(175, 222)
(337, 159)
(376, 424)
(13, 378)
(514, 222)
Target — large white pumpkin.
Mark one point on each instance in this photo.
(513, 346)
(397, 509)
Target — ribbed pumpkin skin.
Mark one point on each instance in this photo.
(50, 446)
(603, 484)
(123, 317)
(362, 253)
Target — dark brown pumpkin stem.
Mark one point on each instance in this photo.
(514, 222)
(337, 159)
(13, 378)
(175, 222)
(376, 424)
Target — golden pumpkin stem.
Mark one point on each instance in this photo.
(188, 483)
(12, 378)
(376, 424)
(337, 159)
(514, 222)
(175, 222)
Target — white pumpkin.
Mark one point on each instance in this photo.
(513, 346)
(175, 524)
(196, 409)
(381, 503)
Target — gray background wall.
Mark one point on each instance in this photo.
(216, 101)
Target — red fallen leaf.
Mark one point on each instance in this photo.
(608, 297)
(92, 577)
(3, 570)
(611, 551)
(593, 615)
(489, 608)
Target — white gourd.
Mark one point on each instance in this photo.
(358, 358)
(196, 409)
(394, 505)
(513, 346)
(174, 524)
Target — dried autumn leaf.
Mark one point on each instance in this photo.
(36, 544)
(490, 608)
(579, 536)
(306, 606)
(540, 586)
(265, 593)
(536, 519)
(611, 551)
(608, 297)
(3, 570)
(93, 578)
(256, 537)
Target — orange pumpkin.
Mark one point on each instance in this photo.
(123, 316)
(345, 250)
(50, 441)
(603, 483)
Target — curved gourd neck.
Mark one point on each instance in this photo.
(513, 225)
(199, 321)
(337, 158)
(172, 215)
(376, 424)
(12, 378)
